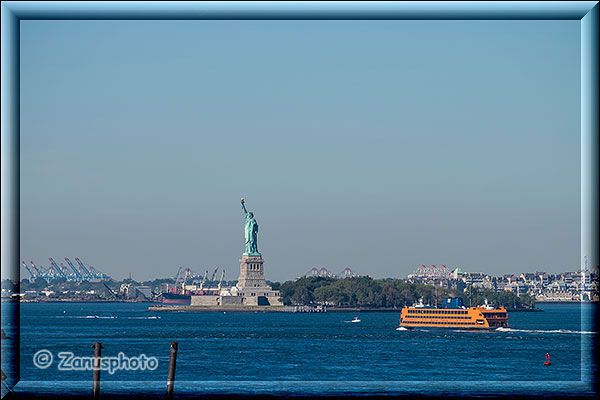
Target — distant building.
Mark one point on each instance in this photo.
(473, 278)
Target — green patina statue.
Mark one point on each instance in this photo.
(250, 233)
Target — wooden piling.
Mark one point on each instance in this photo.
(96, 370)
(171, 374)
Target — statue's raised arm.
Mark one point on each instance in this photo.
(244, 206)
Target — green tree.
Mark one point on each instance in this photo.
(527, 300)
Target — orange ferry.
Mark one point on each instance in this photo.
(453, 314)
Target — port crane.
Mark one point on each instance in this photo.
(84, 269)
(203, 280)
(78, 276)
(55, 269)
(221, 280)
(39, 273)
(347, 273)
(32, 275)
(212, 278)
(97, 274)
(66, 271)
(176, 278)
(188, 274)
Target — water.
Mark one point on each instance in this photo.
(254, 350)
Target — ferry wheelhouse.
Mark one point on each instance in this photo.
(453, 314)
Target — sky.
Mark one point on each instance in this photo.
(374, 145)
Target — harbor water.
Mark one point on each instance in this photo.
(307, 350)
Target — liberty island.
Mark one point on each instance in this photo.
(251, 289)
(252, 286)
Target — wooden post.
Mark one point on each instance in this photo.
(171, 375)
(97, 355)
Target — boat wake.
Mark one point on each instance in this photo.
(401, 328)
(566, 331)
(86, 316)
(104, 317)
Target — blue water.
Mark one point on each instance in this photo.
(302, 349)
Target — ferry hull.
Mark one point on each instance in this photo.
(462, 328)
(454, 315)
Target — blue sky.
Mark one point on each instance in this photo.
(378, 145)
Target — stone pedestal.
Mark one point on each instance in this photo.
(251, 272)
(252, 285)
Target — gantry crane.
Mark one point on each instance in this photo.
(221, 280)
(32, 275)
(188, 273)
(77, 274)
(87, 273)
(203, 280)
(54, 267)
(176, 278)
(37, 270)
(66, 271)
(212, 278)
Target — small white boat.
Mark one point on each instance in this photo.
(355, 320)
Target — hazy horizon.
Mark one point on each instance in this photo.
(374, 145)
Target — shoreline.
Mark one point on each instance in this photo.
(172, 308)
(162, 307)
(289, 309)
(77, 301)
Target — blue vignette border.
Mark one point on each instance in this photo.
(12, 12)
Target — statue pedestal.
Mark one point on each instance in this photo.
(251, 272)
(252, 285)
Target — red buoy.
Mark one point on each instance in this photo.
(547, 362)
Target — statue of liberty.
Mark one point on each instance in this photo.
(250, 233)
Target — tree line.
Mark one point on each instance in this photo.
(394, 293)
